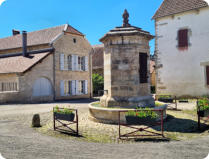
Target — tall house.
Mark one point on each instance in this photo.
(182, 50)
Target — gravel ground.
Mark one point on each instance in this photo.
(18, 140)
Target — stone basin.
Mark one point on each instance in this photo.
(110, 115)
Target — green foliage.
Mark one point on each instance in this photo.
(203, 104)
(98, 83)
(62, 111)
(153, 89)
(165, 96)
(142, 113)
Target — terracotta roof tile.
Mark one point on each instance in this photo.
(20, 64)
(44, 36)
(170, 7)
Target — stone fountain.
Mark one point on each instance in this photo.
(126, 69)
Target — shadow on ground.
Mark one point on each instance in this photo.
(173, 124)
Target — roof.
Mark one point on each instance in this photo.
(127, 31)
(98, 56)
(170, 7)
(20, 64)
(44, 36)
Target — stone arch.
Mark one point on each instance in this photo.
(42, 87)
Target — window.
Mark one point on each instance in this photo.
(74, 40)
(74, 87)
(207, 75)
(81, 87)
(143, 67)
(8, 87)
(183, 38)
(73, 62)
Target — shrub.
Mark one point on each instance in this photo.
(63, 111)
(203, 104)
(153, 90)
(98, 83)
(142, 113)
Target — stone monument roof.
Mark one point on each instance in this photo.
(126, 29)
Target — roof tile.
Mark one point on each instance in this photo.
(170, 7)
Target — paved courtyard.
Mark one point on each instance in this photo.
(19, 141)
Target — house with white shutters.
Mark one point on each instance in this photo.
(45, 65)
(181, 48)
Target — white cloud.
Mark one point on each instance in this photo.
(207, 1)
(2, 1)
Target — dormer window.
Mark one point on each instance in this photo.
(183, 40)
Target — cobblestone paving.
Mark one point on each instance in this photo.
(18, 140)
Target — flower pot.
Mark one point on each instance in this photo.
(166, 100)
(134, 120)
(203, 113)
(66, 117)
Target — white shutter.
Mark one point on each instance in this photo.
(77, 87)
(62, 62)
(76, 62)
(73, 87)
(86, 87)
(73, 61)
(62, 85)
(86, 63)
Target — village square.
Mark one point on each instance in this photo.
(134, 95)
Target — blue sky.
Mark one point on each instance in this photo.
(92, 17)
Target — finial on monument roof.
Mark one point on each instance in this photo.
(126, 19)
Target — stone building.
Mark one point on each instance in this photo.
(181, 47)
(62, 73)
(98, 59)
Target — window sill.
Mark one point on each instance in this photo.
(7, 92)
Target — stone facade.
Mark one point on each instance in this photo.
(25, 83)
(82, 48)
(48, 70)
(122, 49)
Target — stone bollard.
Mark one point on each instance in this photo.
(36, 121)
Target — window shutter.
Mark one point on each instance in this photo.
(77, 87)
(76, 58)
(62, 83)
(86, 63)
(73, 87)
(62, 56)
(86, 87)
(207, 74)
(183, 38)
(143, 67)
(69, 62)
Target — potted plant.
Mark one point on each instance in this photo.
(141, 116)
(165, 98)
(63, 114)
(203, 107)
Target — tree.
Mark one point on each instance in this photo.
(98, 83)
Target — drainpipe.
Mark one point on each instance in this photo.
(24, 44)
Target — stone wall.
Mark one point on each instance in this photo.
(67, 46)
(25, 83)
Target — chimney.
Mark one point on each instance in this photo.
(24, 44)
(15, 32)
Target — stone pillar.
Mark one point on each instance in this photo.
(126, 78)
